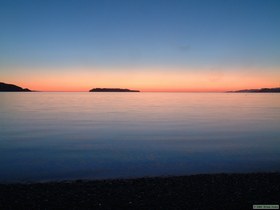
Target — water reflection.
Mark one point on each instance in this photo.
(47, 136)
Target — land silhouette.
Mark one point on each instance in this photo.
(112, 90)
(12, 88)
(262, 90)
(4, 87)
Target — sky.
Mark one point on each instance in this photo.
(149, 45)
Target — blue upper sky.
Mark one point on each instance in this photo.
(155, 33)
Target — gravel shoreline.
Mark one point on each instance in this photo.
(215, 191)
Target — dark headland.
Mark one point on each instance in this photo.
(215, 191)
(12, 88)
(112, 90)
(262, 90)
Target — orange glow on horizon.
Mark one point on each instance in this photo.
(147, 80)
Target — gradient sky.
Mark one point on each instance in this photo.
(151, 45)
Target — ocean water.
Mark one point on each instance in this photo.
(59, 136)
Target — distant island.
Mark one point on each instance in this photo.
(112, 90)
(12, 88)
(262, 90)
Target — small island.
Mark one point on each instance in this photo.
(112, 90)
(262, 90)
(12, 88)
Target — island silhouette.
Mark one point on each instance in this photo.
(262, 90)
(112, 90)
(4, 87)
(12, 88)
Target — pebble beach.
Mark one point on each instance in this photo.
(206, 191)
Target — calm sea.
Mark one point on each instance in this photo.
(55, 136)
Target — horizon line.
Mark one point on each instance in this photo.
(138, 92)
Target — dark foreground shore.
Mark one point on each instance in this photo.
(217, 191)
